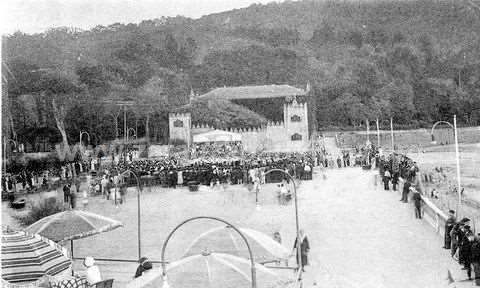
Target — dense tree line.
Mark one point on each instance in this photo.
(415, 61)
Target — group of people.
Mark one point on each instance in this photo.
(216, 150)
(170, 173)
(463, 244)
(93, 275)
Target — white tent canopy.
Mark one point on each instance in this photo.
(217, 136)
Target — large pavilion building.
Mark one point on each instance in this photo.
(287, 128)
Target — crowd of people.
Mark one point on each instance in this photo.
(170, 172)
(463, 244)
(216, 150)
(458, 237)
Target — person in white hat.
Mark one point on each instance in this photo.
(92, 273)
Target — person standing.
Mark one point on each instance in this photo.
(417, 201)
(448, 228)
(304, 249)
(66, 193)
(104, 184)
(476, 259)
(406, 189)
(386, 179)
(467, 255)
(464, 246)
(454, 234)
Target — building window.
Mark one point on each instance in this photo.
(177, 123)
(296, 118)
(296, 137)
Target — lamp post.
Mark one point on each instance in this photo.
(139, 189)
(297, 226)
(391, 134)
(81, 134)
(457, 156)
(164, 247)
(133, 134)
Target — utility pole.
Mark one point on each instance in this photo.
(457, 158)
(378, 134)
(391, 133)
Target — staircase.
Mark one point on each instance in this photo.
(331, 146)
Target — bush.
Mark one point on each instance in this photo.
(38, 211)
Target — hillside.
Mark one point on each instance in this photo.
(415, 61)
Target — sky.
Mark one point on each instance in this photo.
(34, 16)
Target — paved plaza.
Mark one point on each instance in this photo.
(361, 235)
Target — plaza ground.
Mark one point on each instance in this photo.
(361, 236)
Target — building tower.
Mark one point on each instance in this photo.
(180, 127)
(296, 122)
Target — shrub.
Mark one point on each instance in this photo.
(39, 210)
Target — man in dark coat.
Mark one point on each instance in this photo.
(406, 188)
(454, 235)
(476, 259)
(417, 201)
(448, 227)
(464, 245)
(304, 249)
(66, 193)
(466, 249)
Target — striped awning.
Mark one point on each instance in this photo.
(27, 257)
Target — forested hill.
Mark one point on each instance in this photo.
(415, 61)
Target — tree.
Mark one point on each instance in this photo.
(60, 92)
(348, 109)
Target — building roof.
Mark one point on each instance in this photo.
(253, 92)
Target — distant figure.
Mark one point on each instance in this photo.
(406, 189)
(144, 266)
(448, 228)
(417, 201)
(66, 193)
(304, 249)
(386, 180)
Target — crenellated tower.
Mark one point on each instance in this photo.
(180, 127)
(296, 121)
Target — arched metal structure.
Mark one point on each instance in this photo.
(81, 134)
(139, 187)
(440, 122)
(457, 157)
(133, 134)
(297, 225)
(252, 261)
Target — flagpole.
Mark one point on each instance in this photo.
(378, 134)
(391, 133)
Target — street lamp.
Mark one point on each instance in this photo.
(81, 134)
(457, 155)
(139, 189)
(164, 247)
(297, 226)
(133, 134)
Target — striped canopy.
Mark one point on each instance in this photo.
(27, 257)
(72, 224)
